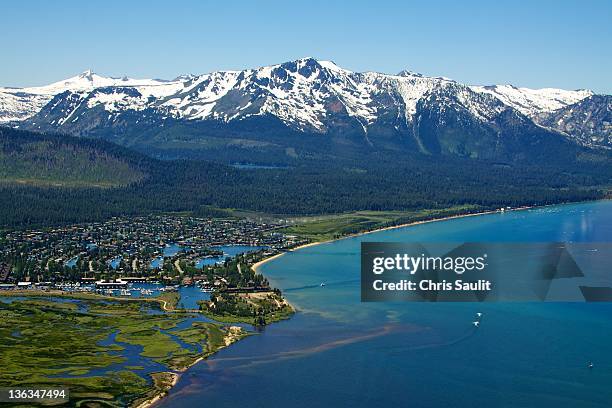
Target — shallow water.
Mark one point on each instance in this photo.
(132, 358)
(340, 352)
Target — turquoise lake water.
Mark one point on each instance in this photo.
(340, 352)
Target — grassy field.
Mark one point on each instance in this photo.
(327, 227)
(57, 343)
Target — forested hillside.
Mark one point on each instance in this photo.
(379, 181)
(67, 162)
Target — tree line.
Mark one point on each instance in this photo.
(377, 181)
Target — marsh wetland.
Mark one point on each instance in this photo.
(108, 352)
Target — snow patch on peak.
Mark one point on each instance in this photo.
(87, 74)
(408, 73)
(413, 87)
(305, 94)
(532, 102)
(332, 66)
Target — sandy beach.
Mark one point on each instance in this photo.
(392, 227)
(160, 395)
(153, 401)
(234, 334)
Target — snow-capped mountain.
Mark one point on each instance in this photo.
(21, 103)
(303, 94)
(432, 114)
(533, 102)
(589, 121)
(580, 115)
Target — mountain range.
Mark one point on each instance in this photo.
(308, 107)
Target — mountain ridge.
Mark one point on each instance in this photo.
(308, 96)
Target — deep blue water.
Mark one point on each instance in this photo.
(251, 166)
(339, 352)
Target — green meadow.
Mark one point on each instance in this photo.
(49, 343)
(328, 227)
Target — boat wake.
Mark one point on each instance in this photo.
(318, 285)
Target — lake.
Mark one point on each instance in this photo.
(252, 166)
(338, 351)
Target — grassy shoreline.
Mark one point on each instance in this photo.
(257, 265)
(73, 338)
(165, 381)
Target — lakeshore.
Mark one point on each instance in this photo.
(257, 265)
(161, 390)
(160, 316)
(423, 343)
(137, 341)
(176, 375)
(159, 248)
(167, 302)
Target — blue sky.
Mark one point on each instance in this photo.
(542, 43)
